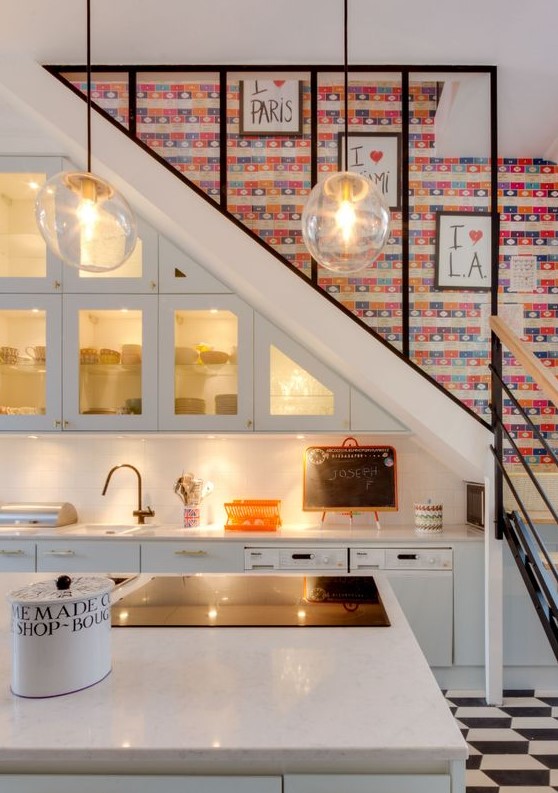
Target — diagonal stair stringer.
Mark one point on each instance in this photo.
(227, 252)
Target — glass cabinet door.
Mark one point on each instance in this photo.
(110, 362)
(30, 371)
(205, 363)
(25, 264)
(138, 274)
(293, 389)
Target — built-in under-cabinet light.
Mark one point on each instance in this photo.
(33, 437)
(33, 185)
(35, 310)
(212, 614)
(213, 310)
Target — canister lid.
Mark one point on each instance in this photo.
(62, 588)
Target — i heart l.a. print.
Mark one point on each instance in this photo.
(475, 235)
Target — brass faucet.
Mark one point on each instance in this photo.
(139, 513)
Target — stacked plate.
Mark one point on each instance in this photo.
(226, 404)
(183, 405)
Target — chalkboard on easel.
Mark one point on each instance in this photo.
(345, 478)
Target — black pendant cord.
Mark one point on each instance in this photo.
(346, 76)
(88, 86)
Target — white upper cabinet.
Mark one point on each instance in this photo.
(138, 274)
(205, 363)
(30, 362)
(293, 389)
(110, 362)
(26, 265)
(179, 274)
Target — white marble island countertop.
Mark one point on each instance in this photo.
(239, 701)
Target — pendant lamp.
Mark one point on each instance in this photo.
(345, 222)
(82, 218)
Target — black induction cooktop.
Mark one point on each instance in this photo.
(236, 601)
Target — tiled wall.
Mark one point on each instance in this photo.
(55, 469)
(269, 179)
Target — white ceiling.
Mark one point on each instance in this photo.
(517, 36)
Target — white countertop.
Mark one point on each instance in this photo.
(297, 534)
(233, 700)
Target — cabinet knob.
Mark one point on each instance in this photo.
(17, 552)
(57, 284)
(249, 423)
(190, 553)
(57, 424)
(66, 424)
(153, 285)
(59, 553)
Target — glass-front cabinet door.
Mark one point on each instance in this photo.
(205, 363)
(138, 274)
(110, 362)
(30, 362)
(26, 266)
(293, 389)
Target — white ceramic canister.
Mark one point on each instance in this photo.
(60, 635)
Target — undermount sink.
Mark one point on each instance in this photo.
(118, 529)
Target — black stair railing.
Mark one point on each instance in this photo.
(521, 527)
(403, 220)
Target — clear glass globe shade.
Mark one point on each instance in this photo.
(345, 223)
(85, 221)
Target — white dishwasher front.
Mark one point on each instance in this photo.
(422, 580)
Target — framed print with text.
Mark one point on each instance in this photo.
(463, 251)
(376, 156)
(271, 107)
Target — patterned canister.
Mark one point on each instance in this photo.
(428, 517)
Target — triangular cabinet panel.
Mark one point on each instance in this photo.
(367, 416)
(293, 389)
(178, 273)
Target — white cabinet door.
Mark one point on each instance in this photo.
(110, 362)
(293, 390)
(17, 556)
(56, 783)
(468, 600)
(31, 362)
(180, 274)
(426, 599)
(205, 363)
(88, 556)
(368, 783)
(138, 274)
(26, 265)
(192, 557)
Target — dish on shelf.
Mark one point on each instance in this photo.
(185, 355)
(214, 356)
(89, 355)
(189, 405)
(100, 412)
(226, 404)
(6, 410)
(109, 356)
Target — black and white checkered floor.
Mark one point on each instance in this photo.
(513, 748)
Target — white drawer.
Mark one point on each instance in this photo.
(91, 556)
(17, 556)
(192, 557)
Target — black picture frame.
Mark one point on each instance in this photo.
(463, 254)
(376, 156)
(271, 107)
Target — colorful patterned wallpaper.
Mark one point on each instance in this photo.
(269, 179)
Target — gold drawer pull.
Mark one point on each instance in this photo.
(59, 553)
(190, 553)
(19, 552)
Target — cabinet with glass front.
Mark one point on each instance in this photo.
(110, 360)
(30, 362)
(205, 363)
(25, 263)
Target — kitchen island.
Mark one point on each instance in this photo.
(304, 705)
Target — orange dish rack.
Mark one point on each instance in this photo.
(244, 515)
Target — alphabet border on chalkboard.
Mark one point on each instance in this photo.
(379, 161)
(319, 455)
(463, 258)
(289, 91)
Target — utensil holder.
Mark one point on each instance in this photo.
(191, 517)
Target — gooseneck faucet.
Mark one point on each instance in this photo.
(139, 513)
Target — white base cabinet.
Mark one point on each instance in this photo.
(368, 783)
(56, 783)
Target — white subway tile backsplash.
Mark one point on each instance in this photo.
(74, 468)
